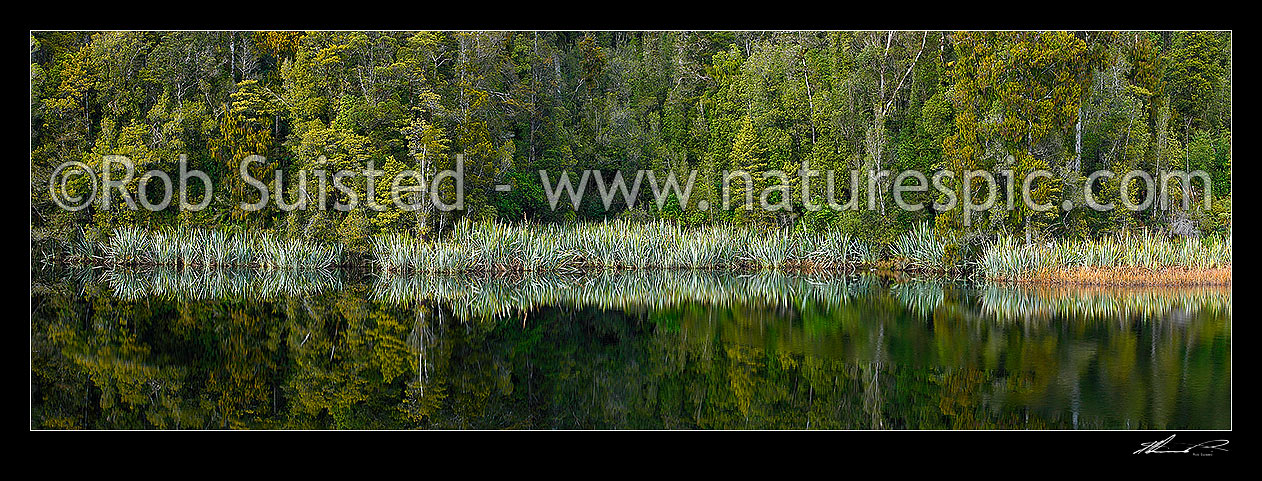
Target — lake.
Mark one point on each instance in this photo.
(166, 349)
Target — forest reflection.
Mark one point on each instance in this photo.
(673, 349)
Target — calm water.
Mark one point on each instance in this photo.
(166, 349)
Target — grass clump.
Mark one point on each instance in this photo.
(618, 245)
(1142, 258)
(197, 247)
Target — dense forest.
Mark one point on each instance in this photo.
(513, 103)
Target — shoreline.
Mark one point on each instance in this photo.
(493, 248)
(1135, 277)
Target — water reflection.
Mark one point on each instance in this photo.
(621, 350)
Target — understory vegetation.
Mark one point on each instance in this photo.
(1128, 259)
(1142, 258)
(194, 247)
(620, 244)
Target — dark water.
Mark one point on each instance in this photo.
(626, 350)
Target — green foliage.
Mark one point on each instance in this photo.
(1010, 259)
(202, 248)
(512, 103)
(619, 244)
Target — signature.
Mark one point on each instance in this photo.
(1198, 449)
